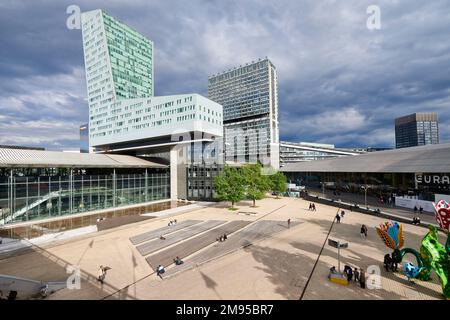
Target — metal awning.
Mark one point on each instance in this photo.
(16, 158)
(424, 159)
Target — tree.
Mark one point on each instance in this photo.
(229, 186)
(278, 183)
(256, 184)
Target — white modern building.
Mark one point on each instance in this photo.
(124, 115)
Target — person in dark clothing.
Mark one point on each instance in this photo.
(338, 218)
(415, 209)
(394, 265)
(289, 223)
(362, 232)
(348, 272)
(362, 279)
(420, 210)
(387, 262)
(356, 274)
(313, 207)
(178, 261)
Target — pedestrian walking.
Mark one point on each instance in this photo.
(356, 275)
(314, 207)
(362, 279)
(365, 230)
(310, 206)
(102, 273)
(362, 232)
(338, 218)
(289, 223)
(420, 210)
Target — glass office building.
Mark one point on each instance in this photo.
(417, 129)
(41, 184)
(249, 96)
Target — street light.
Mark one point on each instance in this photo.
(365, 187)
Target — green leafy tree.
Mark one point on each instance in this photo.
(229, 186)
(256, 184)
(278, 183)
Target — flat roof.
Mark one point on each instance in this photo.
(424, 159)
(17, 158)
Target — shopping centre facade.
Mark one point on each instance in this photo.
(417, 173)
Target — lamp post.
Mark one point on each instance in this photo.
(365, 187)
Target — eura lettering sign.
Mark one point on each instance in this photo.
(432, 179)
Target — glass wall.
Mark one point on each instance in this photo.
(33, 197)
(200, 181)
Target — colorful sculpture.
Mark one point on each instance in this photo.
(433, 255)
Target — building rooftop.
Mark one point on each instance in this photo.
(17, 158)
(424, 159)
(319, 147)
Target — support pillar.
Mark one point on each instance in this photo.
(174, 173)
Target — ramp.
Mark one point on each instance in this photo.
(161, 231)
(193, 245)
(253, 233)
(186, 233)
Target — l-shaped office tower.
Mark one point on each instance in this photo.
(125, 117)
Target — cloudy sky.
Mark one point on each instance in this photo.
(339, 82)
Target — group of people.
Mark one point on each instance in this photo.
(351, 274)
(338, 216)
(172, 223)
(160, 269)
(389, 263)
(312, 206)
(222, 238)
(363, 231)
(389, 200)
(416, 220)
(420, 209)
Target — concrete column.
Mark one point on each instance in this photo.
(174, 173)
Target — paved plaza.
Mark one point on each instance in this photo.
(262, 258)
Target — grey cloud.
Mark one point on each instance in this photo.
(328, 62)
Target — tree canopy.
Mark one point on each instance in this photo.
(229, 186)
(278, 182)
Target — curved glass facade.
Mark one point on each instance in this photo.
(33, 194)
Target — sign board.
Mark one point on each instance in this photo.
(336, 244)
(411, 203)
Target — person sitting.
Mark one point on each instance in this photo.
(175, 222)
(160, 270)
(178, 261)
(332, 271)
(161, 237)
(225, 237)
